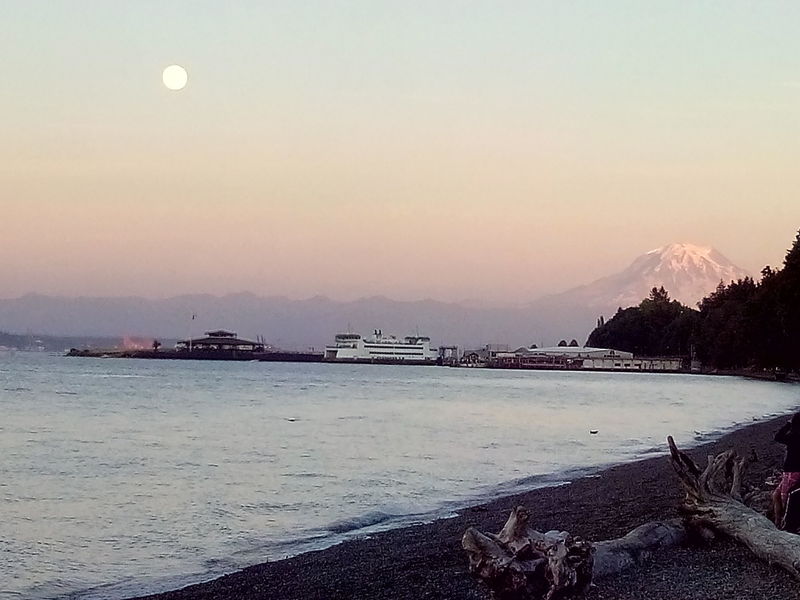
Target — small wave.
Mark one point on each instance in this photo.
(138, 586)
(630, 443)
(555, 478)
(271, 507)
(707, 436)
(369, 519)
(17, 389)
(59, 587)
(115, 376)
(221, 564)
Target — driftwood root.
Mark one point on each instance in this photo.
(520, 563)
(714, 500)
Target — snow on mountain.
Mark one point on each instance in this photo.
(687, 271)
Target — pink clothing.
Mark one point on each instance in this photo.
(789, 482)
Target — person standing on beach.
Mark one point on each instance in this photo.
(789, 435)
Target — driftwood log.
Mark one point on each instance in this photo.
(520, 563)
(714, 501)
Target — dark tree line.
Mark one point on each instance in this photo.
(740, 325)
(657, 327)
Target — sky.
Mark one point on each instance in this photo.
(454, 150)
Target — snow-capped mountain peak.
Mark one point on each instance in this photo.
(689, 272)
(686, 257)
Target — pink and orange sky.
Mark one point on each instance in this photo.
(447, 150)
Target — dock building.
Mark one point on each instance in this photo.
(581, 358)
(219, 341)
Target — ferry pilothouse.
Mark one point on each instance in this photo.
(380, 348)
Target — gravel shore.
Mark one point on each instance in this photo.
(427, 562)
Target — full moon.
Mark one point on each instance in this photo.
(175, 77)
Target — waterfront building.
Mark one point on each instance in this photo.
(219, 341)
(583, 358)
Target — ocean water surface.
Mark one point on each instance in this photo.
(121, 477)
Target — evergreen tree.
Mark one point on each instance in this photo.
(657, 327)
(749, 324)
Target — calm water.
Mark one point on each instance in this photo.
(119, 477)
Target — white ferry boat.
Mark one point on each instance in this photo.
(351, 347)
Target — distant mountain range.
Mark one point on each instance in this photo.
(688, 272)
